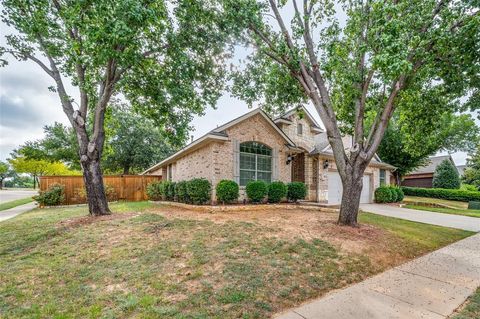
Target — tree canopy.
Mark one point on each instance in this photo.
(133, 143)
(166, 58)
(38, 168)
(407, 149)
(471, 174)
(58, 145)
(420, 56)
(3, 172)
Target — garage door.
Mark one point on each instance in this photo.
(335, 189)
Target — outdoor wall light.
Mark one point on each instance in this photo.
(289, 158)
(325, 164)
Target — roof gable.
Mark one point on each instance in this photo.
(219, 134)
(248, 115)
(432, 164)
(308, 116)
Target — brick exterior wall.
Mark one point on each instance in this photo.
(215, 160)
(307, 139)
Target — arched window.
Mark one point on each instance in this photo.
(255, 163)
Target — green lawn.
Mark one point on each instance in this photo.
(15, 203)
(421, 238)
(471, 309)
(140, 263)
(464, 212)
(449, 203)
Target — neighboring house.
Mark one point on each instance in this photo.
(293, 147)
(461, 169)
(423, 176)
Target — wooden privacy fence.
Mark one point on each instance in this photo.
(118, 187)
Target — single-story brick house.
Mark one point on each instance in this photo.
(423, 175)
(292, 147)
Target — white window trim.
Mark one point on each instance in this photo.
(256, 171)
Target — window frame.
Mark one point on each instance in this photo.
(300, 129)
(169, 172)
(383, 179)
(256, 170)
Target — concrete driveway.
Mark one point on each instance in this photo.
(421, 216)
(7, 195)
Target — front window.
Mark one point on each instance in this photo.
(382, 177)
(299, 129)
(255, 163)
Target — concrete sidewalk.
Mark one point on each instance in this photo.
(12, 212)
(422, 216)
(432, 286)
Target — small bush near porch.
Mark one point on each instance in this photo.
(148, 261)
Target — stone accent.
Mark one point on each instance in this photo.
(306, 140)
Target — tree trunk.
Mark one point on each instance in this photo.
(398, 178)
(34, 180)
(352, 189)
(96, 198)
(126, 169)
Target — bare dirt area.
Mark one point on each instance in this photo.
(305, 224)
(88, 220)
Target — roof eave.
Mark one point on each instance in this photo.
(191, 147)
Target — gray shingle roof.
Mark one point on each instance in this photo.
(321, 142)
(432, 164)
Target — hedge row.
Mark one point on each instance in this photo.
(194, 191)
(442, 193)
(388, 194)
(258, 191)
(197, 191)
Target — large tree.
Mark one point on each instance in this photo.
(134, 143)
(407, 147)
(164, 57)
(386, 54)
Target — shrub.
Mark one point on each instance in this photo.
(446, 176)
(394, 197)
(256, 191)
(467, 187)
(227, 191)
(198, 190)
(399, 192)
(450, 194)
(276, 192)
(296, 191)
(110, 193)
(384, 194)
(473, 205)
(153, 190)
(54, 195)
(181, 192)
(169, 189)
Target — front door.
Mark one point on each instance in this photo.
(298, 168)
